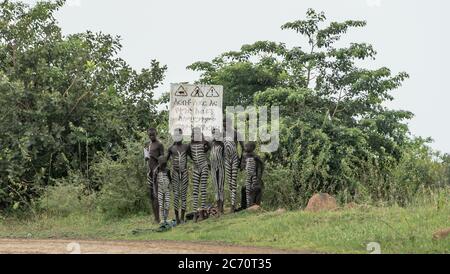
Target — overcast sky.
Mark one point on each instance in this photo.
(411, 36)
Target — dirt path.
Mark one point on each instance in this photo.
(50, 246)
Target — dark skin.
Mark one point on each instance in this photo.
(155, 149)
(203, 141)
(249, 152)
(215, 142)
(236, 138)
(236, 135)
(206, 147)
(162, 166)
(176, 148)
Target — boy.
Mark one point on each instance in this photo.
(198, 152)
(232, 159)
(179, 152)
(152, 151)
(254, 168)
(162, 179)
(218, 167)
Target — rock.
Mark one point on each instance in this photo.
(321, 202)
(441, 234)
(280, 211)
(254, 208)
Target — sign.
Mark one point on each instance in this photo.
(195, 106)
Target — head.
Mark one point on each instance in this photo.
(216, 134)
(152, 134)
(249, 147)
(197, 134)
(177, 135)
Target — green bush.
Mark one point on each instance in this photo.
(420, 176)
(421, 172)
(438, 198)
(63, 99)
(67, 196)
(123, 182)
(279, 188)
(117, 186)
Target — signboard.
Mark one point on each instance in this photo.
(195, 106)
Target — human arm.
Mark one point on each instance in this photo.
(169, 152)
(242, 162)
(260, 169)
(161, 149)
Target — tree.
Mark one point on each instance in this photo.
(63, 98)
(336, 135)
(241, 77)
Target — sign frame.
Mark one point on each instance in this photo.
(195, 105)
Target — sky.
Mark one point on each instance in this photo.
(410, 36)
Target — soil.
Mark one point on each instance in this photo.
(67, 246)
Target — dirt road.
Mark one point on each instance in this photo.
(50, 246)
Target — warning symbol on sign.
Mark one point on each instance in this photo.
(212, 93)
(181, 91)
(197, 92)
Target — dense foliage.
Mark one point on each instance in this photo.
(63, 99)
(336, 134)
(73, 115)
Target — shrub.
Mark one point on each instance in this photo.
(67, 196)
(122, 181)
(279, 188)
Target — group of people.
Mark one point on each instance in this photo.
(218, 158)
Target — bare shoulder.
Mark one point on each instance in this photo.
(157, 145)
(171, 148)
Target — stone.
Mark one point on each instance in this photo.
(441, 234)
(321, 202)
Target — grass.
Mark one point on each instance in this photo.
(397, 230)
